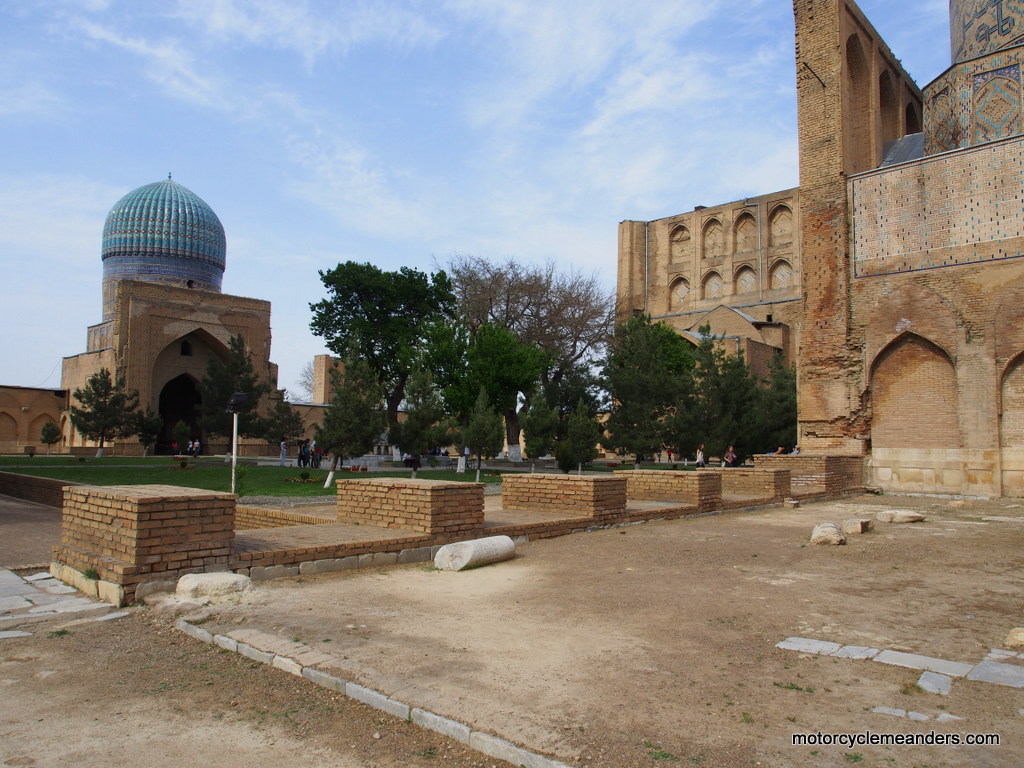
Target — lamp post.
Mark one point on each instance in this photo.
(235, 403)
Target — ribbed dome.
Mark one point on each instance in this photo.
(162, 233)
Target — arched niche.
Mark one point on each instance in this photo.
(780, 276)
(780, 226)
(913, 119)
(8, 428)
(914, 396)
(745, 233)
(745, 281)
(680, 244)
(713, 239)
(857, 143)
(679, 294)
(712, 287)
(888, 107)
(1011, 427)
(179, 400)
(172, 361)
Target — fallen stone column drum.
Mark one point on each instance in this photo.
(474, 553)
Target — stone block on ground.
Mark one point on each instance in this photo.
(857, 525)
(827, 533)
(899, 516)
(474, 553)
(1015, 639)
(933, 682)
(807, 645)
(212, 584)
(1000, 674)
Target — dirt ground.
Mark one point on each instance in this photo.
(640, 646)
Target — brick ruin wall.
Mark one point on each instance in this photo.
(700, 490)
(585, 495)
(450, 510)
(133, 534)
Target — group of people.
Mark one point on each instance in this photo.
(194, 448)
(308, 455)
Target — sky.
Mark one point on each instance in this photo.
(395, 132)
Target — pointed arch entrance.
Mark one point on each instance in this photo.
(179, 401)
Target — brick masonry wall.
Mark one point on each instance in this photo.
(831, 474)
(251, 518)
(770, 484)
(598, 497)
(133, 534)
(701, 490)
(452, 510)
(41, 490)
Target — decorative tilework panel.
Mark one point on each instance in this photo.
(961, 208)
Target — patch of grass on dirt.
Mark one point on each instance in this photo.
(793, 687)
(657, 753)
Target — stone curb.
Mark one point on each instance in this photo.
(483, 742)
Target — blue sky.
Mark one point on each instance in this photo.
(390, 131)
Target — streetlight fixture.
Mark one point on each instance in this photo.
(235, 404)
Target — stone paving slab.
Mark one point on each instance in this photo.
(807, 645)
(933, 682)
(856, 652)
(13, 603)
(1001, 674)
(915, 661)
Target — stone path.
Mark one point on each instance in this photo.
(999, 667)
(40, 596)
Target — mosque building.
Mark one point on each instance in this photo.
(163, 317)
(893, 275)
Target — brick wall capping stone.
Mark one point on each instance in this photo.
(149, 493)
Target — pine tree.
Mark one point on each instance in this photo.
(225, 377)
(107, 409)
(354, 420)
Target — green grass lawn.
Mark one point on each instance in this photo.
(207, 473)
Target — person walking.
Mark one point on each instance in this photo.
(701, 461)
(284, 452)
(730, 457)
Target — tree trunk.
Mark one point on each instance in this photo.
(512, 429)
(330, 475)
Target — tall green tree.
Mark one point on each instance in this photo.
(353, 420)
(385, 315)
(540, 426)
(146, 428)
(646, 369)
(775, 416)
(106, 408)
(718, 404)
(579, 446)
(483, 432)
(223, 378)
(423, 427)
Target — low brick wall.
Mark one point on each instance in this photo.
(252, 518)
(451, 511)
(767, 484)
(136, 533)
(700, 489)
(41, 490)
(599, 497)
(830, 475)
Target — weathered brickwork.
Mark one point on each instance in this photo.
(452, 510)
(598, 497)
(818, 475)
(700, 490)
(133, 534)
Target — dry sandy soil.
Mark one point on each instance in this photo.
(650, 645)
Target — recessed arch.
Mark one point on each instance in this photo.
(712, 287)
(1011, 395)
(713, 239)
(888, 107)
(679, 294)
(780, 226)
(780, 276)
(913, 119)
(745, 281)
(745, 232)
(857, 145)
(914, 396)
(179, 400)
(8, 428)
(680, 243)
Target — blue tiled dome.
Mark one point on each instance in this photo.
(162, 233)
